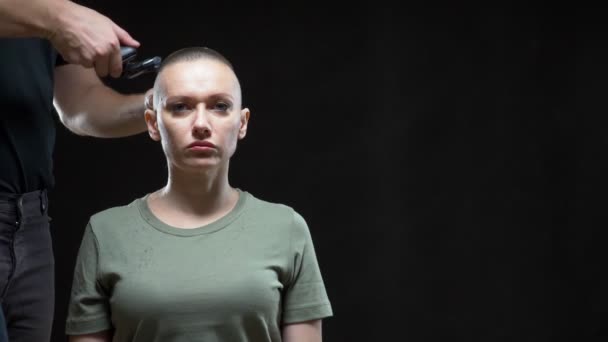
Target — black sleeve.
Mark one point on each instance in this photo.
(59, 61)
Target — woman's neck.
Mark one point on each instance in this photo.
(202, 194)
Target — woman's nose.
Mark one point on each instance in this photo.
(201, 122)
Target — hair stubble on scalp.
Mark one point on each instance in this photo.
(187, 55)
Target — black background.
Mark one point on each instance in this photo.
(448, 160)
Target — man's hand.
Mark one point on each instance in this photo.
(81, 35)
(86, 37)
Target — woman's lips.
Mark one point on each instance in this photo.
(201, 146)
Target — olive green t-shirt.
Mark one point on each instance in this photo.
(239, 278)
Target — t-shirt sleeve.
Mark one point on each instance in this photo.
(305, 298)
(88, 310)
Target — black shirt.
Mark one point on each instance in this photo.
(27, 115)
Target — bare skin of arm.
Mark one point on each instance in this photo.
(103, 336)
(87, 107)
(303, 332)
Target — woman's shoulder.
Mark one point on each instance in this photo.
(267, 205)
(116, 216)
(274, 210)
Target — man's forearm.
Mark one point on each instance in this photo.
(29, 18)
(105, 113)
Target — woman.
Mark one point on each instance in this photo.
(197, 260)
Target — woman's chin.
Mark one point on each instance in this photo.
(199, 166)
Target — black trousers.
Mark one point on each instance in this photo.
(27, 279)
(3, 333)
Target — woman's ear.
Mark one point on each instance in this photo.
(244, 121)
(152, 123)
(150, 115)
(149, 99)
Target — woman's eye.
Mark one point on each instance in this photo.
(178, 107)
(222, 106)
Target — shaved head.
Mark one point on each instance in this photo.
(194, 53)
(197, 96)
(190, 54)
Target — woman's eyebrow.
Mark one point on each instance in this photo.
(173, 98)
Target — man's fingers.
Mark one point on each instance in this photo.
(124, 37)
(101, 66)
(76, 57)
(115, 63)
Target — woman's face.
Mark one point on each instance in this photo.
(198, 118)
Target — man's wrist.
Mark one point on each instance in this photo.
(54, 16)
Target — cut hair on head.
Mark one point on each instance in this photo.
(186, 55)
(193, 53)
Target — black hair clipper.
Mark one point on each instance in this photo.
(132, 68)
